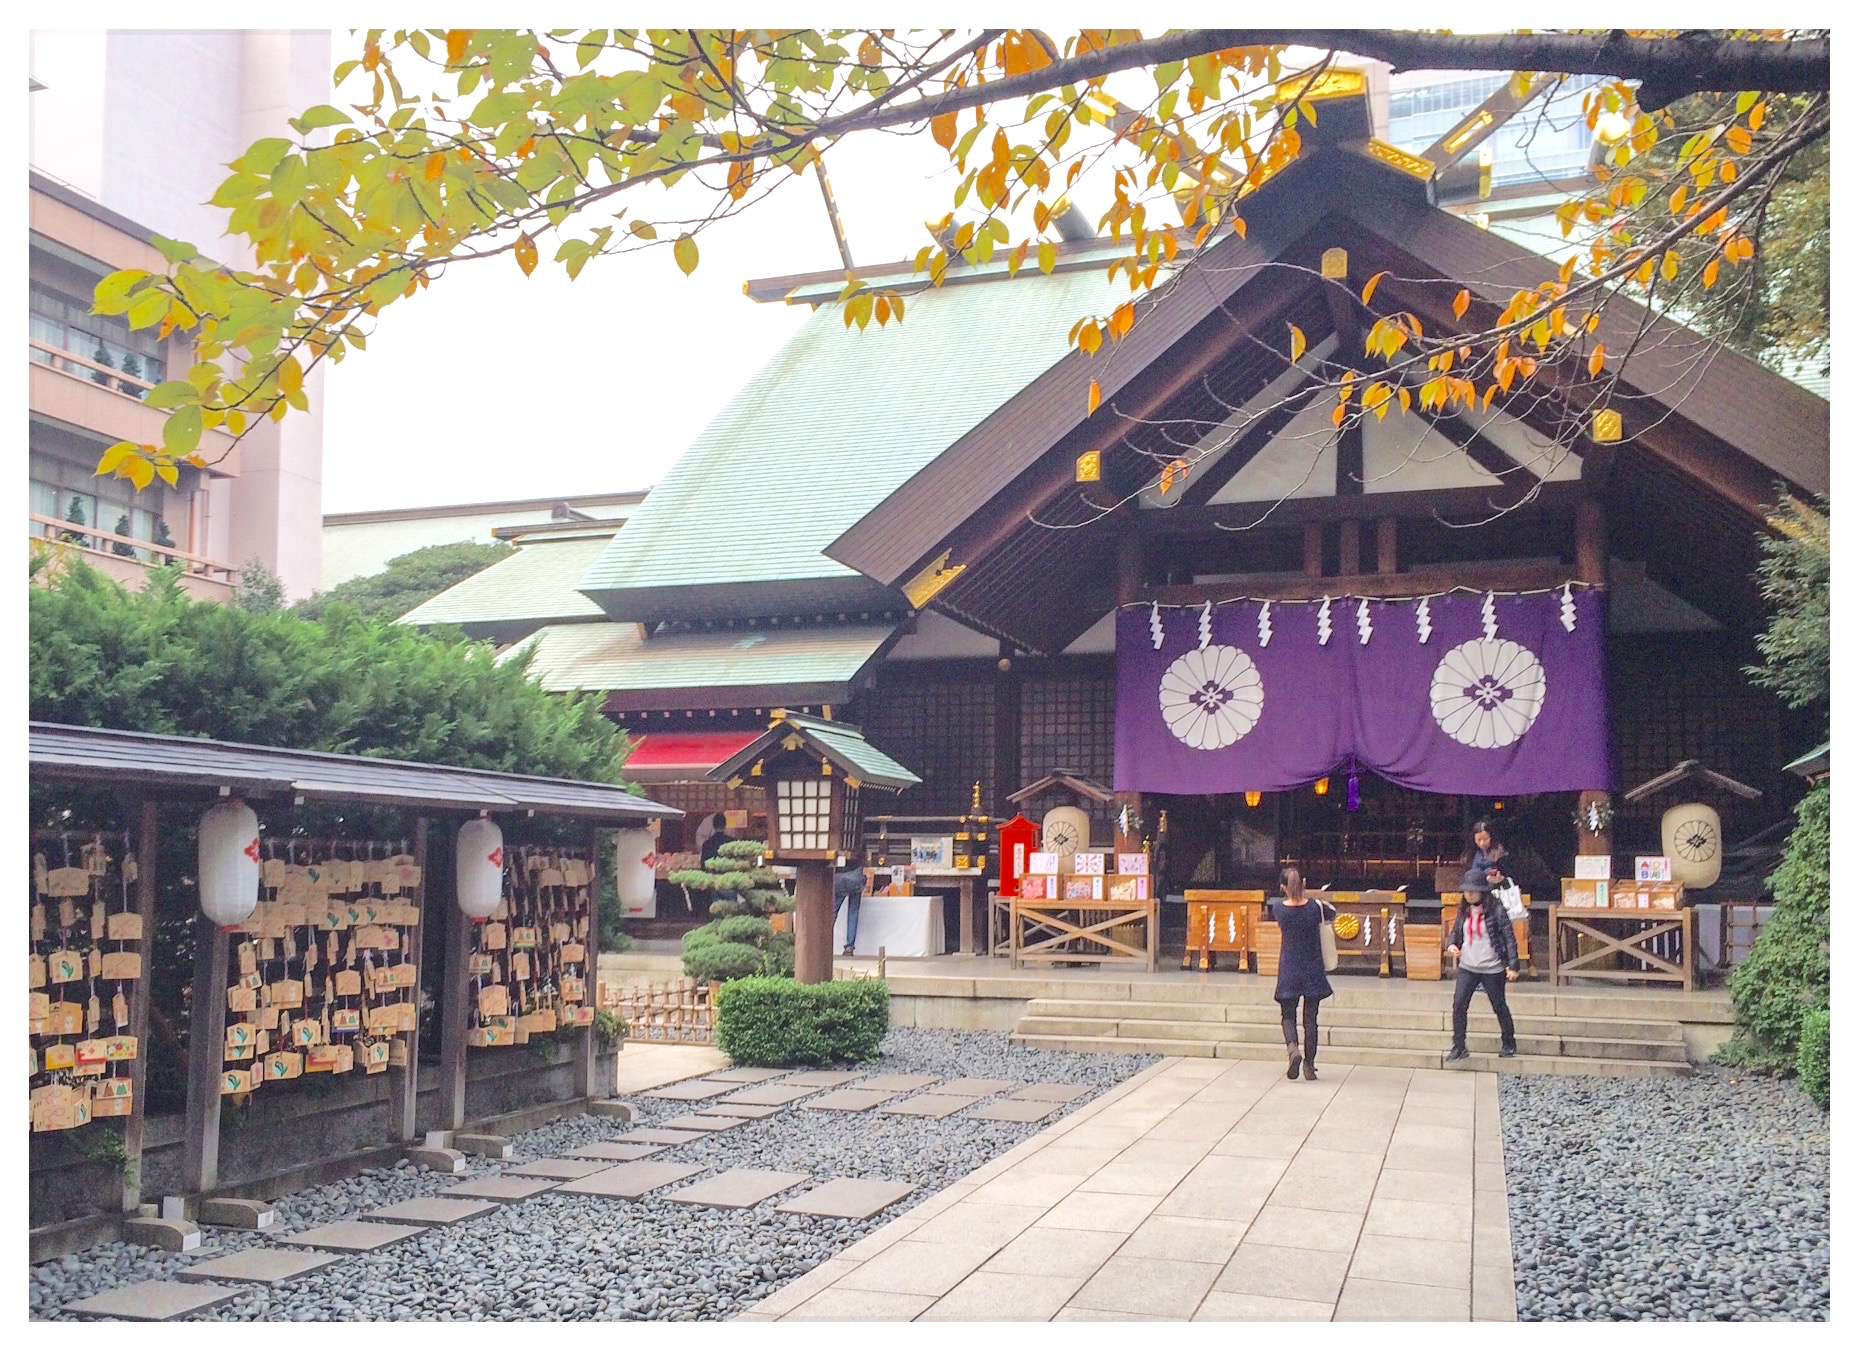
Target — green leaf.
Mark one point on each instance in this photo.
(322, 115)
(173, 249)
(171, 394)
(112, 294)
(149, 309)
(262, 156)
(180, 434)
(685, 252)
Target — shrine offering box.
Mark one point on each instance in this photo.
(1129, 888)
(1082, 888)
(1038, 887)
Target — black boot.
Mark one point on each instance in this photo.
(1296, 1060)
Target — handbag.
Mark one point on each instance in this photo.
(1511, 895)
(1325, 932)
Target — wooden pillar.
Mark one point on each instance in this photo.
(1006, 733)
(206, 1056)
(147, 840)
(812, 921)
(1129, 562)
(1387, 546)
(454, 1008)
(1313, 549)
(403, 1081)
(584, 1045)
(1349, 461)
(1590, 541)
(1351, 548)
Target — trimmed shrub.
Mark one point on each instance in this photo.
(719, 962)
(1789, 973)
(777, 1022)
(1814, 1065)
(705, 936)
(751, 930)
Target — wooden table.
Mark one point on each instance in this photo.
(973, 920)
(1046, 932)
(1629, 934)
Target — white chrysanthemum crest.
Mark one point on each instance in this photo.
(1154, 625)
(1424, 618)
(1490, 616)
(1567, 606)
(1323, 627)
(1264, 624)
(1363, 623)
(1206, 625)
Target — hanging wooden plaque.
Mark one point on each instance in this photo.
(60, 1055)
(123, 927)
(347, 983)
(35, 971)
(573, 951)
(65, 966)
(65, 881)
(234, 1081)
(121, 966)
(64, 1019)
(493, 1001)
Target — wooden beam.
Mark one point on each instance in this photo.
(206, 1057)
(1247, 448)
(1312, 548)
(1387, 545)
(403, 1081)
(585, 1078)
(1350, 461)
(148, 839)
(1007, 770)
(1128, 563)
(1590, 541)
(1445, 503)
(1484, 452)
(1350, 548)
(454, 1008)
(1480, 576)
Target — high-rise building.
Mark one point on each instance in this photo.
(131, 133)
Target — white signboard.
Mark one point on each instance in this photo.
(1593, 867)
(1652, 869)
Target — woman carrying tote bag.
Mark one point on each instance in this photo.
(1300, 966)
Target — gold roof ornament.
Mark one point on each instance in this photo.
(1415, 165)
(1608, 426)
(1335, 264)
(1331, 84)
(928, 583)
(1090, 467)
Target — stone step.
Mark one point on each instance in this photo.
(1438, 1020)
(1352, 1054)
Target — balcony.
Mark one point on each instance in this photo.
(202, 578)
(64, 387)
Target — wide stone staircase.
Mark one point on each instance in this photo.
(1636, 1033)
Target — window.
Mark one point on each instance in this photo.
(102, 344)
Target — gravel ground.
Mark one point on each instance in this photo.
(564, 1256)
(1705, 1198)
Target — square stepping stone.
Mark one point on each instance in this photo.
(694, 1090)
(746, 1110)
(352, 1235)
(561, 1169)
(1052, 1092)
(898, 1082)
(738, 1188)
(849, 1099)
(704, 1122)
(977, 1087)
(822, 1078)
(630, 1180)
(934, 1105)
(1014, 1109)
(256, 1265)
(499, 1188)
(153, 1301)
(773, 1094)
(663, 1138)
(744, 1075)
(435, 1210)
(848, 1198)
(619, 1151)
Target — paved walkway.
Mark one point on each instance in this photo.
(1210, 1190)
(644, 1065)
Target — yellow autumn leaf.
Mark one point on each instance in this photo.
(435, 166)
(1238, 226)
(684, 253)
(1669, 267)
(1710, 269)
(457, 40)
(1597, 362)
(525, 254)
(1460, 303)
(1297, 343)
(1095, 397)
(943, 129)
(1367, 291)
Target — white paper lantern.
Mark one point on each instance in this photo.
(1693, 841)
(480, 868)
(634, 853)
(229, 863)
(1067, 829)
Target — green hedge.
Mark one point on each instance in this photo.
(1814, 1065)
(777, 1022)
(1789, 973)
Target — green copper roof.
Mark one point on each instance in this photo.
(536, 584)
(840, 742)
(617, 656)
(829, 427)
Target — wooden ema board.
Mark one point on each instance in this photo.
(324, 972)
(1653, 946)
(84, 956)
(528, 965)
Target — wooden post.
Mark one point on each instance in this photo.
(1313, 549)
(147, 840)
(584, 1045)
(1590, 541)
(454, 1012)
(1006, 732)
(206, 1056)
(1387, 545)
(403, 1083)
(1129, 563)
(1351, 548)
(813, 921)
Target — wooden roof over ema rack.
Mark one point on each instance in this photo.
(179, 764)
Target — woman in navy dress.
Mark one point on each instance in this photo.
(1299, 969)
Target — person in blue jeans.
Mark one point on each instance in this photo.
(848, 885)
(1484, 942)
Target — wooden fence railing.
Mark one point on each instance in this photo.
(678, 1011)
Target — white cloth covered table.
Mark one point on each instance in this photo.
(903, 925)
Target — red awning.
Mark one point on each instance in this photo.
(674, 757)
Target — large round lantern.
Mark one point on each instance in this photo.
(480, 868)
(1067, 829)
(1693, 841)
(228, 839)
(635, 853)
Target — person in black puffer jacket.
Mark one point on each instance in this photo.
(1484, 942)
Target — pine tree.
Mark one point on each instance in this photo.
(737, 881)
(165, 540)
(102, 357)
(75, 514)
(117, 546)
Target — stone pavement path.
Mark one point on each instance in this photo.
(1208, 1190)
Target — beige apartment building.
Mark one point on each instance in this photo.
(130, 134)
